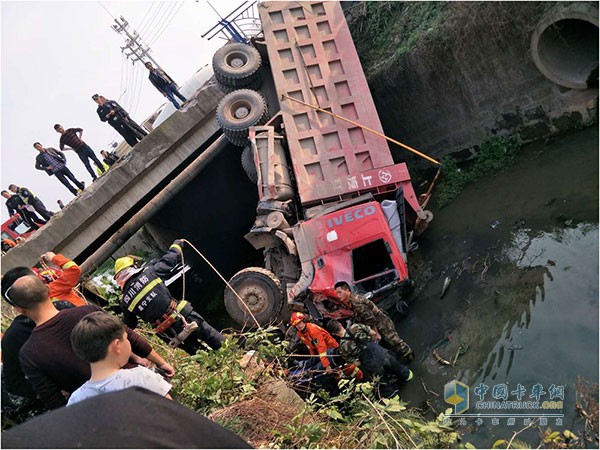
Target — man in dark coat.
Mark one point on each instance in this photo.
(30, 199)
(165, 85)
(110, 111)
(15, 205)
(54, 162)
(145, 296)
(109, 157)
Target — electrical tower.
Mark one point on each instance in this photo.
(138, 51)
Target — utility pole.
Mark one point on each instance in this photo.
(134, 44)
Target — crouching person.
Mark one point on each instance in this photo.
(318, 341)
(101, 340)
(145, 296)
(358, 346)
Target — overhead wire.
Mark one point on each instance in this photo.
(151, 22)
(139, 91)
(145, 15)
(164, 23)
(155, 21)
(159, 23)
(104, 7)
(168, 23)
(130, 86)
(134, 87)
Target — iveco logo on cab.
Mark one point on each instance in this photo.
(350, 216)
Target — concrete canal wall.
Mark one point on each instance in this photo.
(447, 76)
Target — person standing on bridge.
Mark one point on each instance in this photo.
(71, 140)
(15, 205)
(110, 111)
(146, 296)
(30, 199)
(165, 85)
(54, 162)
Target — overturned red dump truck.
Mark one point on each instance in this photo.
(332, 206)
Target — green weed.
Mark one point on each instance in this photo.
(495, 155)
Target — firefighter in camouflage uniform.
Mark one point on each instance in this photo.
(358, 347)
(367, 313)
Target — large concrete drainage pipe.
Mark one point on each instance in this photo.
(564, 46)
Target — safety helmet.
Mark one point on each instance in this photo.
(47, 275)
(297, 317)
(123, 263)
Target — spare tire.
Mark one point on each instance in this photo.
(236, 65)
(239, 111)
(261, 293)
(248, 164)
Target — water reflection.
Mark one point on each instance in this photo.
(523, 299)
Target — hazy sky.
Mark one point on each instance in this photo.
(55, 55)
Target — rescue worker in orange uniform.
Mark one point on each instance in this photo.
(61, 282)
(317, 340)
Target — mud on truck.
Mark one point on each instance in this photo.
(332, 204)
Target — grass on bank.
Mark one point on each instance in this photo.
(494, 156)
(240, 398)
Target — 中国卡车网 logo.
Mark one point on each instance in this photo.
(457, 394)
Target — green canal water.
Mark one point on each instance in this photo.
(521, 251)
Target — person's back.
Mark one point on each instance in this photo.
(62, 285)
(122, 379)
(101, 340)
(48, 360)
(134, 418)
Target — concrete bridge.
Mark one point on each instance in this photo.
(119, 202)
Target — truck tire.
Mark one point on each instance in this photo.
(236, 65)
(255, 86)
(238, 111)
(248, 164)
(260, 290)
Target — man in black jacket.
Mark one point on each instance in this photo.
(54, 162)
(145, 296)
(109, 157)
(15, 205)
(30, 199)
(165, 85)
(110, 111)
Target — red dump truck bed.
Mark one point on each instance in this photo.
(313, 59)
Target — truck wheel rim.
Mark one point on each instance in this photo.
(255, 298)
(236, 60)
(241, 111)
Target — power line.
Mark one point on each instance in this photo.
(150, 22)
(145, 15)
(162, 21)
(134, 43)
(104, 7)
(139, 92)
(168, 23)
